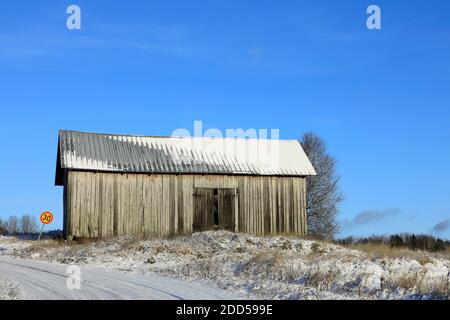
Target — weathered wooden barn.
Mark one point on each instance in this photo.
(163, 186)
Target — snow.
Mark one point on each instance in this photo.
(260, 267)
(48, 281)
(8, 291)
(12, 245)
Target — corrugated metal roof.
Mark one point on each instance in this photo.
(123, 153)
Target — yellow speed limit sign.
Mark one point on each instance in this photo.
(46, 217)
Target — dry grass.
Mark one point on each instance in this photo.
(374, 250)
(380, 250)
(386, 251)
(8, 291)
(446, 252)
(417, 280)
(321, 279)
(409, 281)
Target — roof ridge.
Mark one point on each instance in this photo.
(171, 137)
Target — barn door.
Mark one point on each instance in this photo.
(226, 208)
(203, 209)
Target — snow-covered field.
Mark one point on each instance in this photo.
(260, 267)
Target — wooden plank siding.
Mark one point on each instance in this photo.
(98, 204)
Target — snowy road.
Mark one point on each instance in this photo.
(42, 280)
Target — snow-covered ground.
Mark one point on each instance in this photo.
(258, 267)
(31, 279)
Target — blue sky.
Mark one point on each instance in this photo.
(380, 98)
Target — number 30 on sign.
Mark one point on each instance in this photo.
(46, 217)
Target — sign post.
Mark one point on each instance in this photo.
(46, 218)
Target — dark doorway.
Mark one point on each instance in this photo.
(214, 209)
(226, 209)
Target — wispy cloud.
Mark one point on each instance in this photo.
(19, 47)
(316, 26)
(256, 53)
(165, 32)
(371, 216)
(140, 45)
(158, 40)
(442, 226)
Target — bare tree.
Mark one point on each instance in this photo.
(28, 224)
(3, 229)
(323, 193)
(12, 225)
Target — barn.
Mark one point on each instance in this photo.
(164, 186)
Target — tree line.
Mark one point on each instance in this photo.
(410, 241)
(26, 224)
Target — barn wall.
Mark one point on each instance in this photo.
(109, 204)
